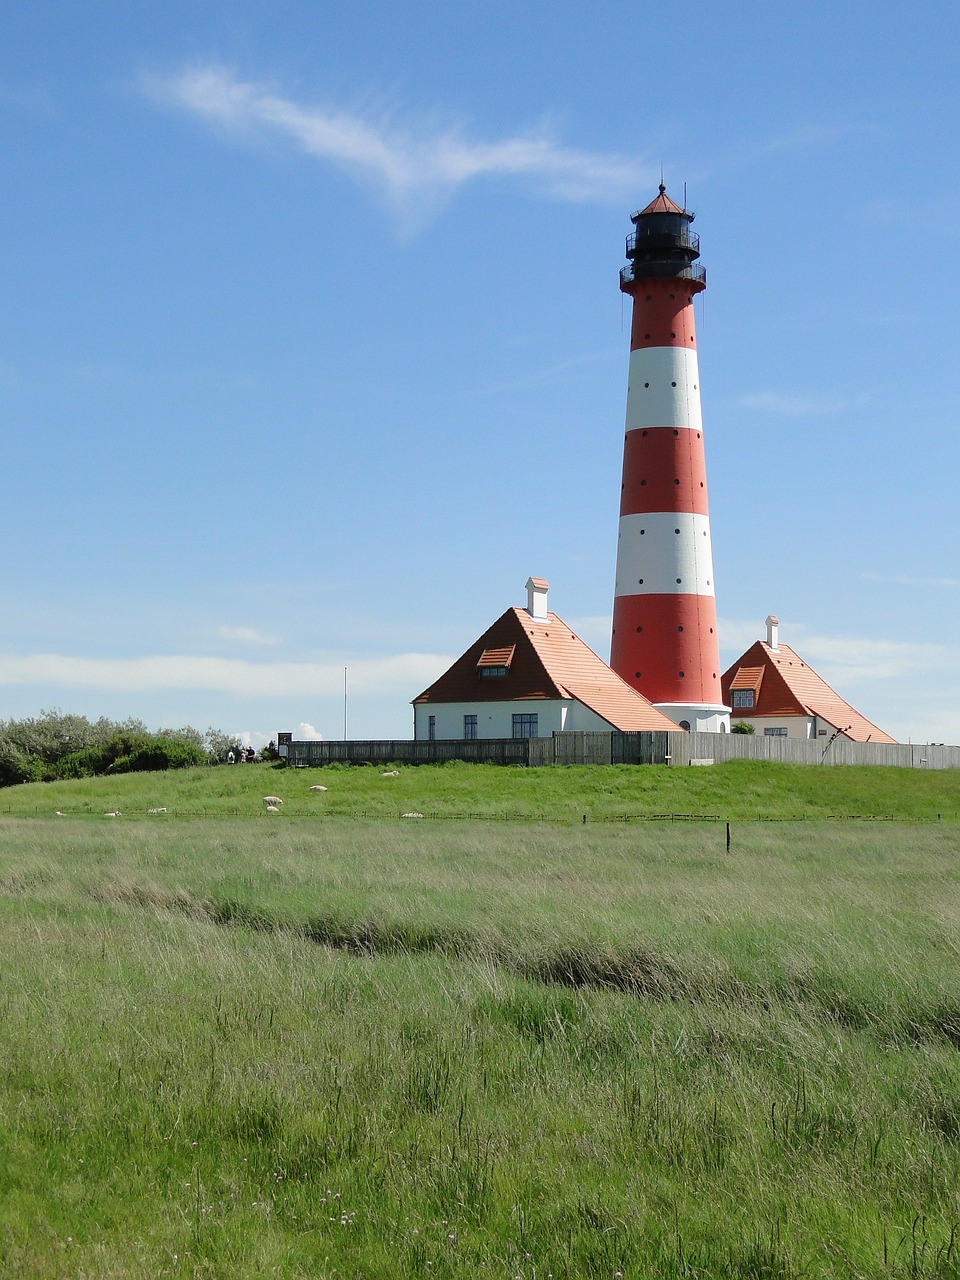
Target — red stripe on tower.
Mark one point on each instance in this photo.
(664, 615)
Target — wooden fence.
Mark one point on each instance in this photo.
(624, 748)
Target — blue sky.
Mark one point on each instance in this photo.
(312, 350)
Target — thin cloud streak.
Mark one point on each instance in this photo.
(859, 659)
(843, 659)
(777, 402)
(903, 580)
(405, 673)
(417, 171)
(247, 635)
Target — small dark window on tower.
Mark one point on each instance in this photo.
(679, 628)
(685, 724)
(673, 384)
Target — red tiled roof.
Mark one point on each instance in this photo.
(549, 661)
(497, 657)
(748, 678)
(791, 688)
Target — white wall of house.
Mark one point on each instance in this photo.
(696, 716)
(580, 719)
(495, 719)
(796, 726)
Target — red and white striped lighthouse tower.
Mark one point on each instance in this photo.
(664, 616)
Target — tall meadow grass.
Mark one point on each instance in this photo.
(374, 1048)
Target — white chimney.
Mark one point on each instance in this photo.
(537, 589)
(773, 632)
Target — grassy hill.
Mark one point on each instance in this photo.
(321, 1044)
(739, 790)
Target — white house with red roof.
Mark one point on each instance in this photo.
(773, 689)
(530, 676)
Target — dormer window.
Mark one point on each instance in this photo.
(745, 688)
(494, 664)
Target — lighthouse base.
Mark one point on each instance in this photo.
(698, 717)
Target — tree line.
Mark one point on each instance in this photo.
(52, 746)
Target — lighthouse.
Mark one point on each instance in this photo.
(664, 615)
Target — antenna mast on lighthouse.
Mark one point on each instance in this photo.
(664, 617)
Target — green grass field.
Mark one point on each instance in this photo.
(739, 790)
(370, 1047)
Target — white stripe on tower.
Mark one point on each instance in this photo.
(664, 619)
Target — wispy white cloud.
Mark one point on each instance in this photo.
(845, 659)
(903, 580)
(856, 658)
(417, 167)
(791, 405)
(247, 635)
(405, 674)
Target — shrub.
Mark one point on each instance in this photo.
(218, 746)
(159, 753)
(741, 726)
(53, 746)
(16, 765)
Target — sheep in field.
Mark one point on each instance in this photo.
(114, 814)
(272, 800)
(272, 808)
(318, 788)
(391, 773)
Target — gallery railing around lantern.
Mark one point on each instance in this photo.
(662, 268)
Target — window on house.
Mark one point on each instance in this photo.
(432, 727)
(524, 725)
(494, 664)
(470, 726)
(742, 698)
(779, 731)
